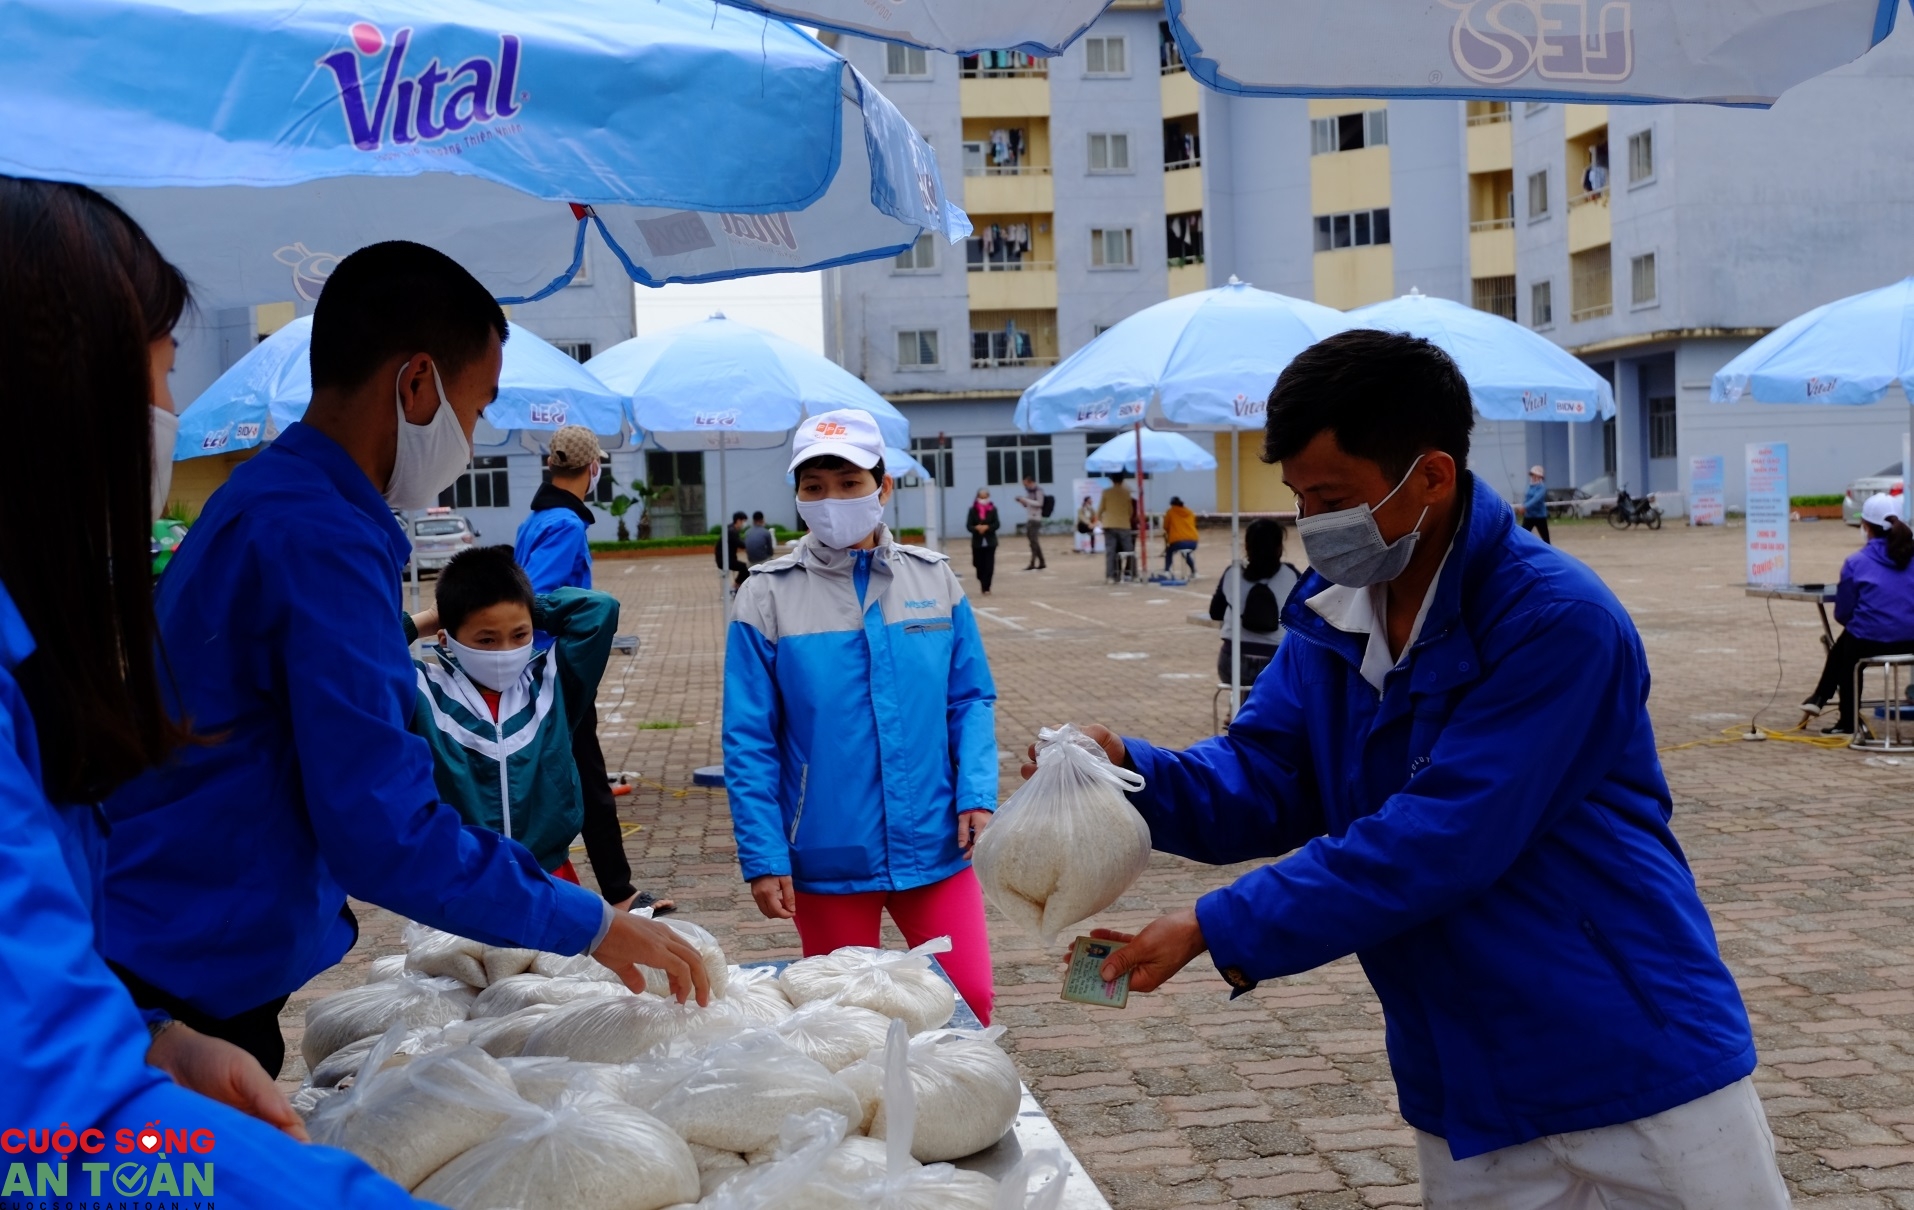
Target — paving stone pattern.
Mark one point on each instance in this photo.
(1283, 1098)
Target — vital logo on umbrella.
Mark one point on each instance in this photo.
(1500, 41)
(477, 91)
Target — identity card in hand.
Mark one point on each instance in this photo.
(1085, 984)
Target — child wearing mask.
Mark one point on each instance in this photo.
(860, 751)
(498, 711)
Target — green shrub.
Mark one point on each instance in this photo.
(1815, 501)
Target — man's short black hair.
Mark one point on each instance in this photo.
(478, 579)
(757, 516)
(831, 462)
(1387, 397)
(396, 299)
(737, 517)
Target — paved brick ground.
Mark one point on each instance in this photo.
(1283, 1098)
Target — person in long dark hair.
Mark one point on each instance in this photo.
(982, 523)
(1260, 592)
(1875, 606)
(87, 308)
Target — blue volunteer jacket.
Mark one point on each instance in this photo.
(552, 545)
(280, 622)
(1489, 836)
(75, 1055)
(854, 733)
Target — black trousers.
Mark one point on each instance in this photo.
(604, 839)
(1837, 675)
(984, 559)
(1537, 525)
(1256, 657)
(255, 1031)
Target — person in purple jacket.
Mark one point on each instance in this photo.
(1875, 606)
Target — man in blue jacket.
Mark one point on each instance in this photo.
(228, 869)
(1560, 1024)
(1535, 504)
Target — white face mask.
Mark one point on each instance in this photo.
(430, 457)
(591, 483)
(843, 523)
(165, 436)
(496, 670)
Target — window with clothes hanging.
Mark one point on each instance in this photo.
(1003, 151)
(917, 349)
(1349, 132)
(1106, 56)
(1541, 304)
(1661, 426)
(1357, 229)
(906, 62)
(997, 64)
(1013, 458)
(1109, 153)
(937, 456)
(920, 257)
(1169, 56)
(1182, 147)
(486, 483)
(1184, 234)
(1112, 248)
(1001, 245)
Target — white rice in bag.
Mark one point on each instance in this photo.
(717, 968)
(385, 968)
(617, 1029)
(836, 1035)
(504, 1037)
(755, 990)
(412, 1000)
(966, 1093)
(888, 982)
(502, 963)
(738, 1097)
(431, 951)
(516, 992)
(573, 966)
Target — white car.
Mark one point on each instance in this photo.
(1887, 480)
(437, 536)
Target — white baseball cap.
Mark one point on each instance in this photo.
(1537, 472)
(1879, 507)
(847, 433)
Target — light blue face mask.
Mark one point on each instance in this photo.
(1346, 548)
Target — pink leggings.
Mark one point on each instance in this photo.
(952, 908)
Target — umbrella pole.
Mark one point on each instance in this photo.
(1242, 590)
(1142, 512)
(724, 526)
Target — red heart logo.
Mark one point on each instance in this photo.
(149, 1141)
(367, 38)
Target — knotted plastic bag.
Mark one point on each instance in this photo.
(388, 967)
(617, 1029)
(888, 982)
(504, 1037)
(964, 1093)
(836, 1035)
(587, 1152)
(1066, 844)
(755, 991)
(411, 999)
(737, 1098)
(573, 966)
(431, 951)
(716, 967)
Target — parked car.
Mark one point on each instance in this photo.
(167, 533)
(438, 535)
(1887, 479)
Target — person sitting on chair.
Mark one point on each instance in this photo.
(1260, 592)
(1875, 606)
(1179, 535)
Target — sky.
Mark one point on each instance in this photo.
(789, 304)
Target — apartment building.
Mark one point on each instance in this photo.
(1085, 178)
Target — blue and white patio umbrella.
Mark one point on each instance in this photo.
(1850, 351)
(539, 387)
(1513, 373)
(1577, 50)
(1160, 453)
(681, 140)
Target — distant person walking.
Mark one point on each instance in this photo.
(760, 543)
(1117, 512)
(1032, 501)
(1874, 604)
(1535, 505)
(983, 521)
(1179, 535)
(730, 550)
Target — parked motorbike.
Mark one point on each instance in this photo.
(1630, 511)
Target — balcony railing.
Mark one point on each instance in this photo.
(997, 363)
(1592, 311)
(1492, 224)
(1178, 165)
(1490, 118)
(1011, 266)
(1020, 66)
(1589, 198)
(1178, 262)
(1008, 170)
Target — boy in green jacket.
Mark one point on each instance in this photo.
(498, 709)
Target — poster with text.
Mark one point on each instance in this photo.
(1708, 490)
(1768, 513)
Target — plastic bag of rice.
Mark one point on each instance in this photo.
(836, 1035)
(617, 1029)
(714, 1166)
(501, 962)
(588, 1152)
(573, 966)
(408, 1121)
(544, 1079)
(738, 1097)
(307, 1098)
(755, 990)
(412, 1000)
(965, 1092)
(716, 967)
(888, 982)
(516, 992)
(431, 951)
(346, 1061)
(504, 1037)
(385, 968)
(1067, 843)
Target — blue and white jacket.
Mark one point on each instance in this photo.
(859, 718)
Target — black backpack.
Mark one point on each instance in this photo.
(1049, 504)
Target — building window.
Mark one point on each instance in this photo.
(1105, 57)
(917, 349)
(1608, 446)
(1112, 248)
(936, 455)
(486, 483)
(1641, 280)
(1182, 144)
(904, 62)
(1661, 426)
(1010, 459)
(1097, 330)
(577, 350)
(1355, 230)
(1109, 153)
(1641, 157)
(999, 64)
(1593, 284)
(1012, 338)
(1538, 195)
(1486, 113)
(1496, 295)
(1183, 236)
(1349, 132)
(920, 257)
(1168, 54)
(1542, 304)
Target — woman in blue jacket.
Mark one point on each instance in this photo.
(87, 308)
(1561, 1026)
(1874, 604)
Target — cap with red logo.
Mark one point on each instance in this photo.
(847, 433)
